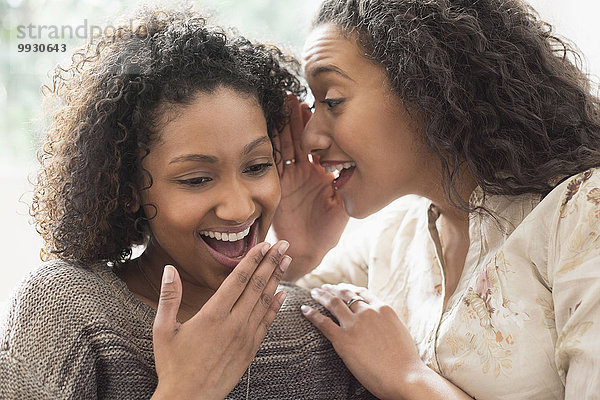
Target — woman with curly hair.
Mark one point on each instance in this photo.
(162, 138)
(483, 276)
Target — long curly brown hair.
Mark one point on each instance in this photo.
(499, 93)
(111, 101)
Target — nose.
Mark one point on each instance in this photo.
(315, 137)
(236, 202)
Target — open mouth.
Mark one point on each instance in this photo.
(342, 172)
(228, 247)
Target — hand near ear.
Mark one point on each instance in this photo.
(311, 215)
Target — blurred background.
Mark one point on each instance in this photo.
(22, 74)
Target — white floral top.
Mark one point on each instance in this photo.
(524, 322)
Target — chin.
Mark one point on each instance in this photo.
(354, 210)
(362, 208)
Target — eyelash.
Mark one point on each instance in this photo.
(195, 181)
(330, 103)
(261, 168)
(254, 170)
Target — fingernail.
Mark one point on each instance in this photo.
(265, 248)
(304, 309)
(282, 297)
(315, 292)
(285, 263)
(168, 274)
(283, 247)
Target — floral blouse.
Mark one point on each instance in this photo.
(524, 321)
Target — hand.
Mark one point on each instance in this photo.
(370, 339)
(207, 355)
(311, 214)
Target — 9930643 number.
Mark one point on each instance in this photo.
(41, 48)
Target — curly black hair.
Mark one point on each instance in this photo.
(498, 92)
(111, 101)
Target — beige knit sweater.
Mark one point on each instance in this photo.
(79, 333)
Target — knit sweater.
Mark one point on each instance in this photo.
(79, 333)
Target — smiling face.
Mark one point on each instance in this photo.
(361, 127)
(214, 185)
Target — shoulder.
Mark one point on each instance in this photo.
(571, 200)
(574, 201)
(580, 191)
(404, 210)
(57, 296)
(575, 227)
(290, 313)
(290, 327)
(405, 214)
(296, 359)
(66, 321)
(59, 281)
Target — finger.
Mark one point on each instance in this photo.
(266, 298)
(345, 294)
(306, 113)
(257, 284)
(234, 285)
(334, 304)
(285, 138)
(340, 291)
(297, 124)
(280, 162)
(361, 291)
(165, 322)
(277, 151)
(321, 322)
(269, 317)
(351, 287)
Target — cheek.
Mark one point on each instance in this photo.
(178, 214)
(270, 193)
(357, 129)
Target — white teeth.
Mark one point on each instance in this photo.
(338, 167)
(227, 236)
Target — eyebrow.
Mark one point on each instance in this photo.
(329, 68)
(212, 159)
(254, 144)
(194, 157)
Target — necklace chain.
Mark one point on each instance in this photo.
(248, 382)
(157, 292)
(147, 279)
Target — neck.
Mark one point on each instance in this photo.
(454, 217)
(152, 263)
(429, 186)
(454, 234)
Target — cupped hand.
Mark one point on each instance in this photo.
(206, 356)
(370, 338)
(311, 214)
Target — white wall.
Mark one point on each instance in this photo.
(576, 20)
